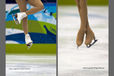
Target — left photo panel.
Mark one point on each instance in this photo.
(30, 37)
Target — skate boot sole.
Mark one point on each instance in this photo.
(29, 45)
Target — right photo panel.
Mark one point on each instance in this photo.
(83, 37)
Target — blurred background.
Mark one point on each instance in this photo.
(90, 2)
(13, 1)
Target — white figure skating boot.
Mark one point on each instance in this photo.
(19, 16)
(28, 40)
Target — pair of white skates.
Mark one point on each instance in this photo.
(18, 18)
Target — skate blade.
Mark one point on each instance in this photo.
(29, 45)
(91, 44)
(77, 47)
(15, 19)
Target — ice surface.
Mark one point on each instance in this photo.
(30, 65)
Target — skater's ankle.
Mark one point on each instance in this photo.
(83, 29)
(27, 34)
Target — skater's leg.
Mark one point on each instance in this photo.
(84, 28)
(22, 7)
(82, 7)
(84, 20)
(38, 6)
(89, 36)
(25, 25)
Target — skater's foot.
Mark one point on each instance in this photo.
(28, 40)
(89, 37)
(80, 37)
(19, 16)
